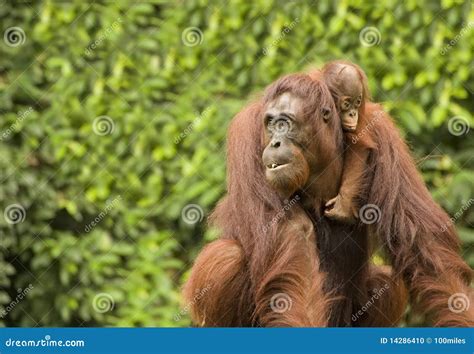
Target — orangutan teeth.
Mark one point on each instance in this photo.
(273, 166)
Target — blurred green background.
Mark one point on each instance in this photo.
(117, 112)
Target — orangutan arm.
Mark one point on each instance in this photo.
(343, 207)
(290, 293)
(215, 293)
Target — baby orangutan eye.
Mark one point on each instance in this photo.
(345, 105)
(358, 101)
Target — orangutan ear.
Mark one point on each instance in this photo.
(326, 113)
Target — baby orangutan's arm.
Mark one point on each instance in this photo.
(343, 207)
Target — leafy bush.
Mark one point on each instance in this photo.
(113, 120)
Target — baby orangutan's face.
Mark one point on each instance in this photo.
(350, 99)
(349, 108)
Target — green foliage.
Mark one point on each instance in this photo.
(169, 105)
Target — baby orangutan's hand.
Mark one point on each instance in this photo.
(341, 209)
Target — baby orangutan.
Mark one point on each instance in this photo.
(348, 85)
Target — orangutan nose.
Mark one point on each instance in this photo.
(275, 143)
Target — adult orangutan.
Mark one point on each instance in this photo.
(288, 145)
(298, 267)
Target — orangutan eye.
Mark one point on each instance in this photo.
(281, 126)
(358, 101)
(345, 105)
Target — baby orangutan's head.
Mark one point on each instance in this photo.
(347, 83)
